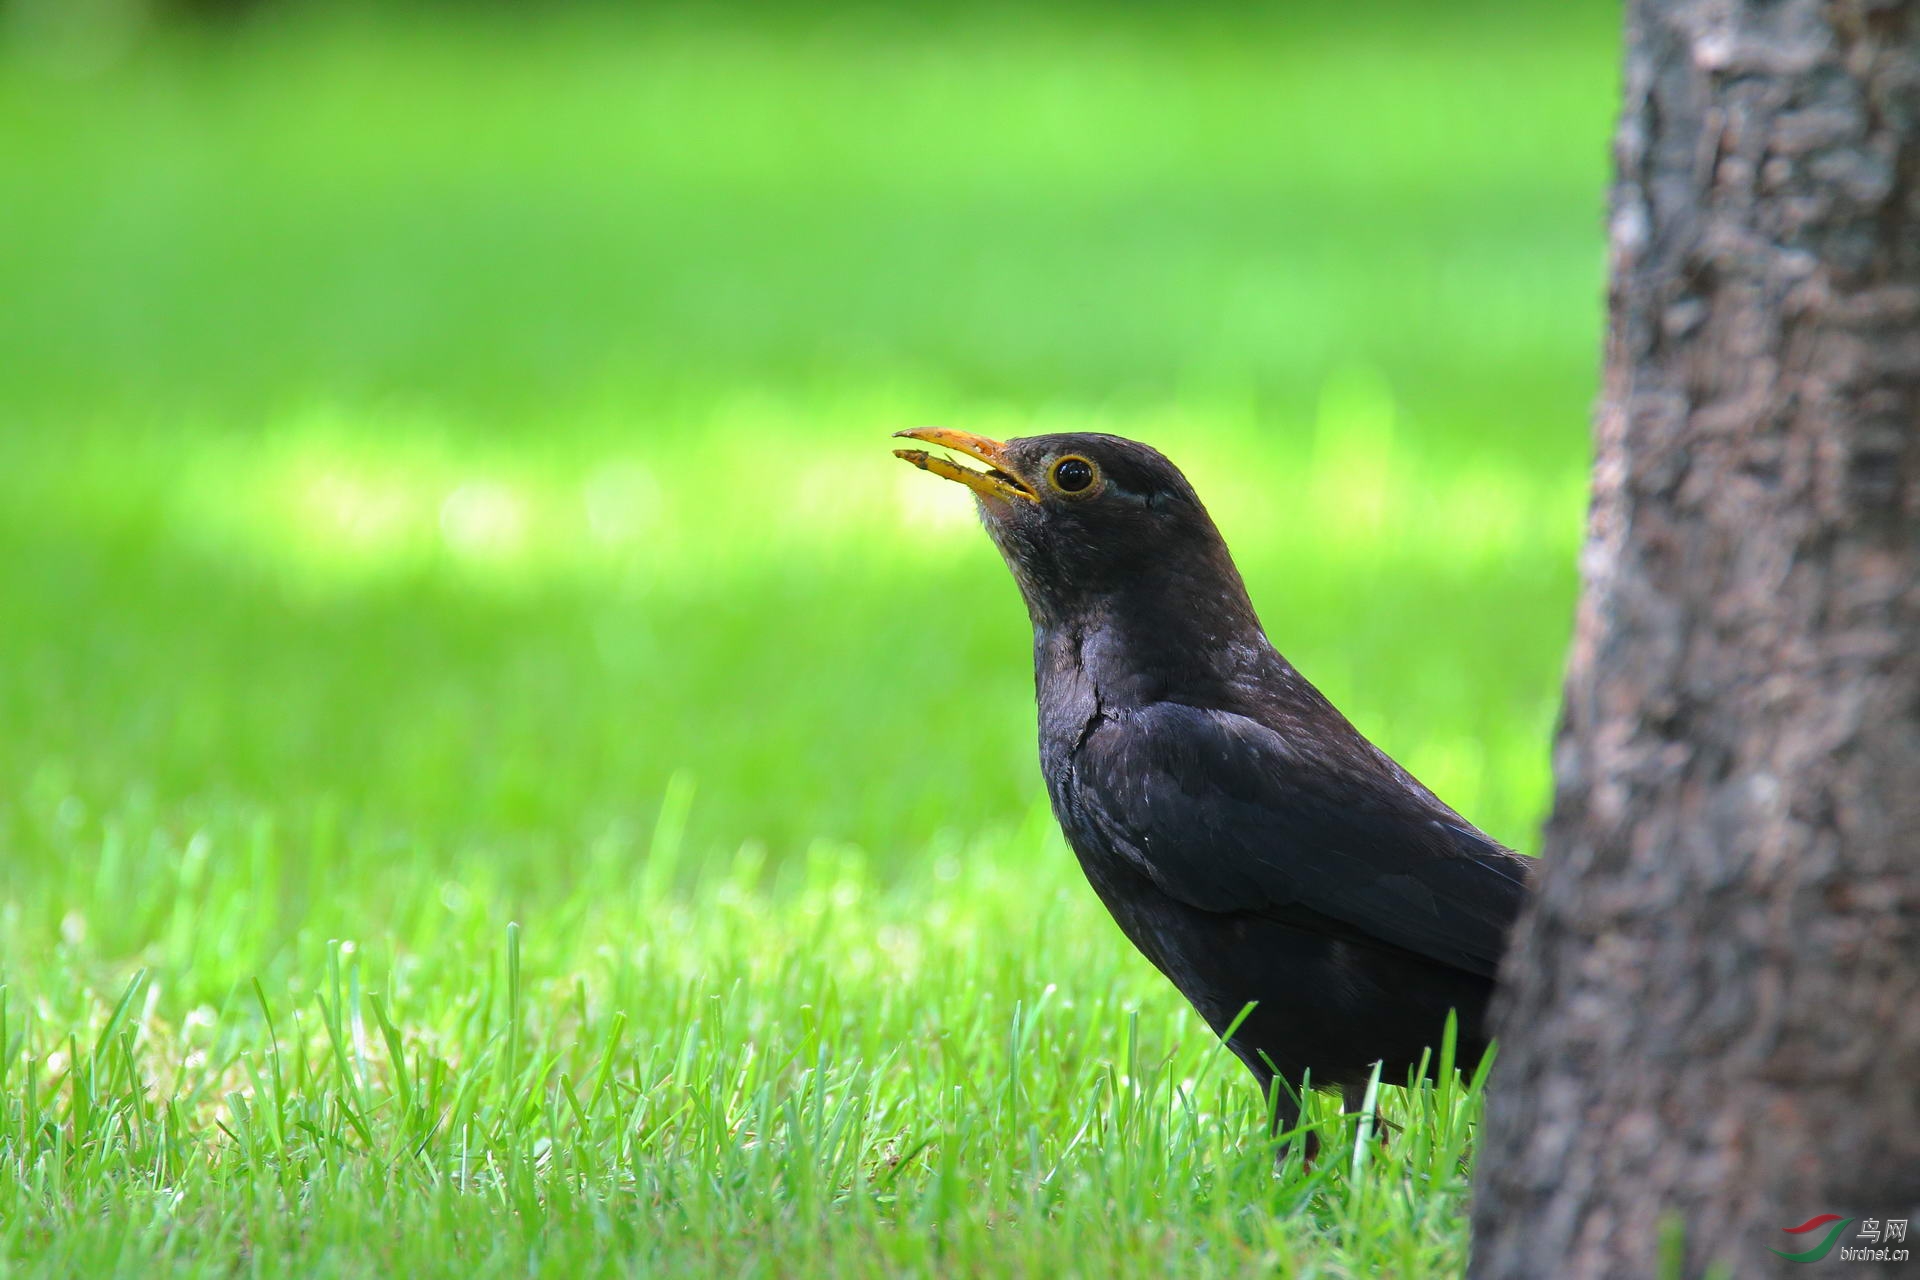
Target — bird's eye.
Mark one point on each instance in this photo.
(1073, 474)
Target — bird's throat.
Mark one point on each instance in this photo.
(1126, 660)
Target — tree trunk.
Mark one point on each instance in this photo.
(1712, 1030)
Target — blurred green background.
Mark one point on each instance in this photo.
(466, 418)
(443, 448)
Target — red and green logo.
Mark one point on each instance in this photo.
(1820, 1250)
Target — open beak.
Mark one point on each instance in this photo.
(998, 481)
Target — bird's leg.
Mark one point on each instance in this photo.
(1309, 1149)
(1353, 1100)
(1284, 1103)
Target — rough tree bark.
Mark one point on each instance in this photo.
(1713, 1024)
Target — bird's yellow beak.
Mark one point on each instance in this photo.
(998, 481)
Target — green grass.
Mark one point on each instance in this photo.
(500, 770)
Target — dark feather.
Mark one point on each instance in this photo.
(1225, 815)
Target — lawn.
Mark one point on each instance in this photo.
(500, 770)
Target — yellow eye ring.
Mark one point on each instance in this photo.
(1074, 476)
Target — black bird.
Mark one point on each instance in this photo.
(1244, 835)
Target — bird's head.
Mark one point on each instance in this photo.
(1092, 525)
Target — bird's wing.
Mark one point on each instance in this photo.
(1226, 815)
